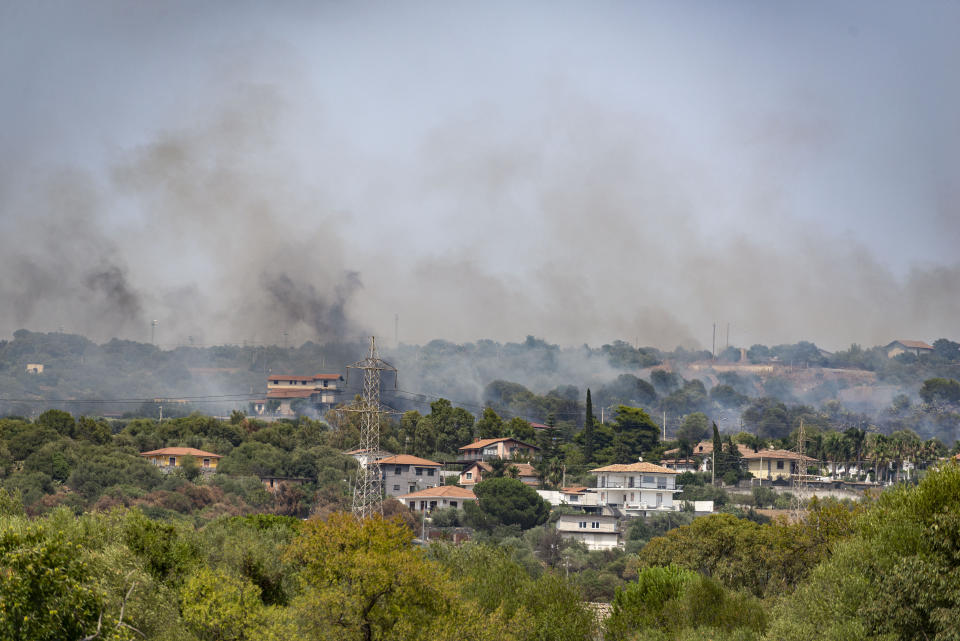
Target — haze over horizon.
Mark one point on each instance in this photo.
(582, 173)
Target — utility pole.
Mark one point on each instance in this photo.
(664, 425)
(367, 493)
(396, 330)
(153, 329)
(713, 349)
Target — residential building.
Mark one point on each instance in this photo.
(576, 496)
(320, 391)
(506, 448)
(171, 457)
(901, 346)
(773, 464)
(480, 469)
(441, 496)
(637, 487)
(34, 368)
(596, 531)
(404, 474)
(681, 464)
(703, 451)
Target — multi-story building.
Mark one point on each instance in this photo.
(637, 488)
(596, 531)
(405, 474)
(320, 392)
(506, 448)
(773, 464)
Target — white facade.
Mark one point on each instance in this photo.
(637, 487)
(595, 531)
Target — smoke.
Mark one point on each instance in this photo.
(580, 195)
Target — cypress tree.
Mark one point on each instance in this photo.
(588, 430)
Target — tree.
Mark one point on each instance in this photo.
(588, 430)
(506, 501)
(490, 425)
(940, 391)
(635, 434)
(365, 580)
(695, 427)
(217, 606)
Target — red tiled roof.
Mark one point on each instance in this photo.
(641, 466)
(705, 448)
(327, 377)
(442, 491)
(482, 443)
(180, 451)
(912, 344)
(407, 459)
(576, 489)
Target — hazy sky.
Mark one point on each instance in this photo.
(578, 171)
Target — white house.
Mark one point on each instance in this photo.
(637, 487)
(596, 531)
(320, 391)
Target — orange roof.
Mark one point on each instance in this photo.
(407, 459)
(180, 451)
(444, 491)
(704, 448)
(327, 377)
(912, 344)
(482, 443)
(576, 489)
(641, 466)
(776, 454)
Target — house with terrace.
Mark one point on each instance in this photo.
(171, 458)
(432, 498)
(479, 470)
(286, 392)
(772, 465)
(404, 474)
(506, 447)
(637, 488)
(596, 531)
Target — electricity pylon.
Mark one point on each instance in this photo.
(800, 478)
(367, 493)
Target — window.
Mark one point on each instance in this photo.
(648, 480)
(661, 483)
(630, 482)
(413, 488)
(429, 471)
(396, 488)
(206, 462)
(583, 524)
(173, 460)
(469, 476)
(595, 525)
(397, 470)
(453, 504)
(419, 471)
(659, 499)
(779, 465)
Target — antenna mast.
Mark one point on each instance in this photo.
(367, 494)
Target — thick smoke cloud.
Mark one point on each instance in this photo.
(584, 198)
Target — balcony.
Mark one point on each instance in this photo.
(638, 486)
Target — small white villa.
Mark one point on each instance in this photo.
(637, 488)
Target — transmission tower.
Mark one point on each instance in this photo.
(800, 478)
(367, 495)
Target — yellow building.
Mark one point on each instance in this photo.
(776, 464)
(173, 457)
